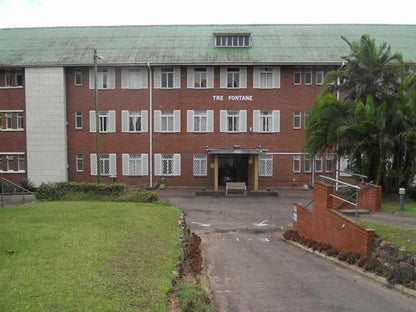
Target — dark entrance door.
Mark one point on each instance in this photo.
(232, 168)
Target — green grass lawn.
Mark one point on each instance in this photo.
(399, 236)
(87, 256)
(393, 205)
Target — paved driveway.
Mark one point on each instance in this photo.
(251, 268)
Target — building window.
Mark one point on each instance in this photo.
(265, 165)
(200, 78)
(167, 78)
(20, 121)
(233, 121)
(306, 117)
(318, 163)
(102, 75)
(108, 164)
(135, 121)
(106, 121)
(167, 164)
(135, 164)
(200, 121)
(106, 78)
(200, 165)
(307, 163)
(19, 78)
(232, 40)
(1, 162)
(297, 116)
(266, 77)
(78, 77)
(297, 79)
(266, 121)
(167, 121)
(319, 75)
(78, 120)
(8, 78)
(296, 163)
(133, 78)
(308, 75)
(9, 120)
(329, 163)
(233, 78)
(10, 162)
(79, 160)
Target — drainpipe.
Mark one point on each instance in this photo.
(338, 164)
(150, 121)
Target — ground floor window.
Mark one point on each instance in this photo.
(296, 163)
(200, 165)
(265, 165)
(79, 158)
(107, 163)
(167, 164)
(135, 164)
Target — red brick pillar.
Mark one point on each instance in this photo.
(321, 202)
(370, 198)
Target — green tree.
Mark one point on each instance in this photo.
(374, 123)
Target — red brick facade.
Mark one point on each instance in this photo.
(328, 226)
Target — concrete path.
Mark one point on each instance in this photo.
(251, 268)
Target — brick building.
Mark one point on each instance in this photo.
(198, 105)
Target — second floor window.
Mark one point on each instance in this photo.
(167, 121)
(233, 78)
(297, 116)
(106, 121)
(78, 77)
(134, 121)
(308, 75)
(297, 76)
(9, 120)
(78, 120)
(20, 120)
(167, 78)
(319, 75)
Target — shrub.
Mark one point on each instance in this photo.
(353, 257)
(194, 254)
(27, 184)
(193, 298)
(343, 256)
(372, 264)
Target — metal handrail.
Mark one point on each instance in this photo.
(22, 192)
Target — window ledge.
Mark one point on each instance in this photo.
(12, 130)
(11, 87)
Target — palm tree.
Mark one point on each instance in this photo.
(368, 71)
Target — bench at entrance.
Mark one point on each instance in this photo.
(235, 186)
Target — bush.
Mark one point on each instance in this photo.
(193, 298)
(28, 185)
(412, 192)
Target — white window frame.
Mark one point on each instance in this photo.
(225, 74)
(106, 159)
(10, 162)
(240, 115)
(79, 162)
(140, 164)
(126, 116)
(329, 163)
(193, 115)
(193, 81)
(176, 76)
(265, 163)
(319, 76)
(306, 115)
(21, 163)
(297, 76)
(308, 75)
(18, 81)
(8, 78)
(161, 115)
(78, 120)
(111, 125)
(161, 159)
(296, 164)
(232, 40)
(1, 163)
(19, 120)
(9, 120)
(297, 119)
(134, 78)
(106, 78)
(200, 165)
(78, 76)
(307, 163)
(273, 77)
(259, 115)
(318, 163)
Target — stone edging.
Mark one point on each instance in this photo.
(383, 280)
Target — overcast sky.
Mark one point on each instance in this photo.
(39, 13)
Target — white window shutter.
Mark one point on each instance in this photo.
(190, 121)
(243, 120)
(177, 77)
(113, 165)
(125, 160)
(145, 121)
(93, 125)
(112, 117)
(276, 77)
(210, 121)
(145, 164)
(93, 164)
(223, 121)
(177, 164)
(190, 77)
(177, 121)
(223, 77)
(158, 164)
(124, 121)
(276, 120)
(124, 78)
(256, 120)
(243, 77)
(143, 78)
(210, 77)
(91, 78)
(157, 121)
(256, 77)
(157, 79)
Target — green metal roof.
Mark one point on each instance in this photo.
(193, 44)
